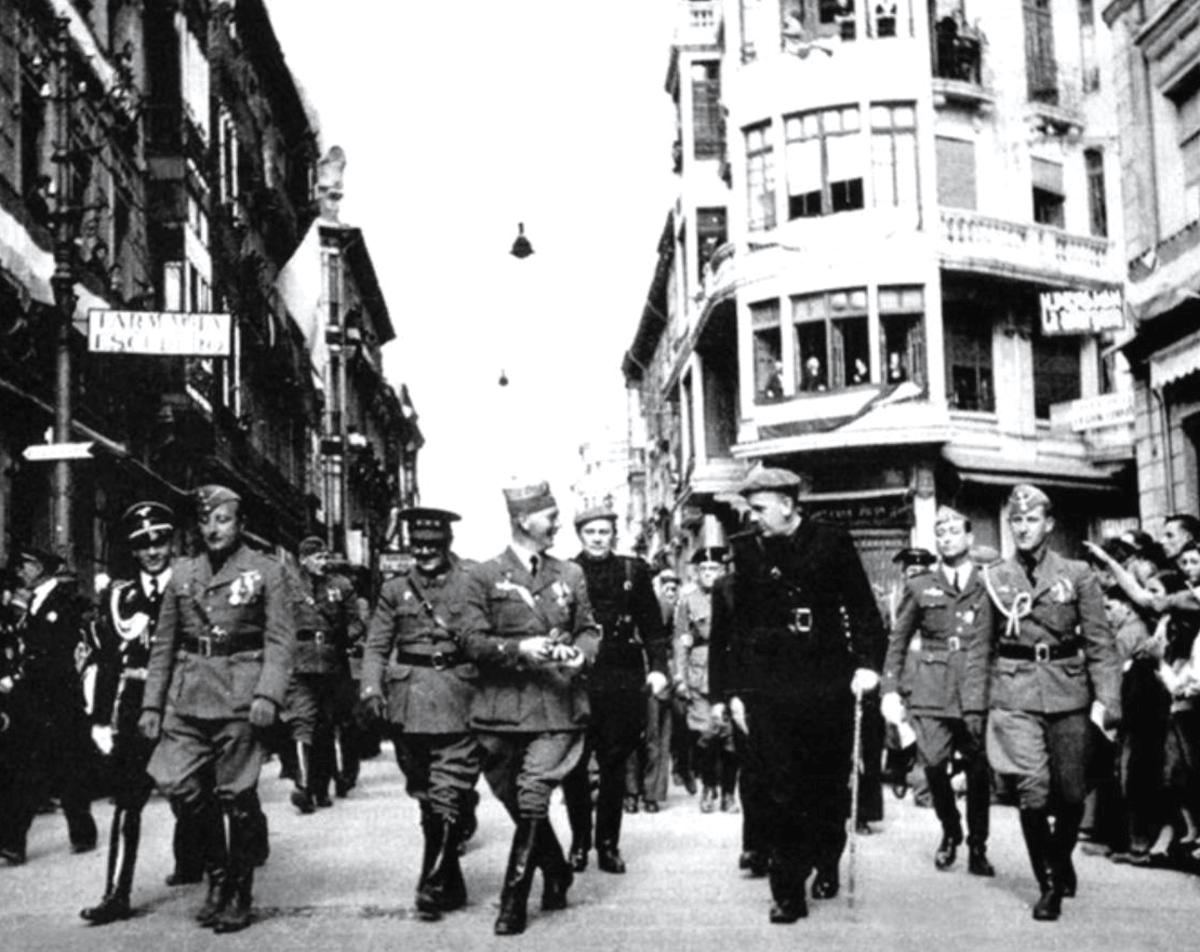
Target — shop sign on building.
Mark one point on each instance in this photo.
(1082, 312)
(161, 333)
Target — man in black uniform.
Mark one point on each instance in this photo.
(123, 631)
(52, 739)
(632, 633)
(325, 612)
(790, 668)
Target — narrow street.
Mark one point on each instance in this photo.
(343, 879)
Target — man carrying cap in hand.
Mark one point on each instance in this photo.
(416, 677)
(219, 670)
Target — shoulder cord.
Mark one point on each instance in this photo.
(1021, 607)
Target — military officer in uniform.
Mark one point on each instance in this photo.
(1055, 655)
(219, 669)
(417, 678)
(325, 614)
(528, 623)
(710, 750)
(790, 668)
(632, 658)
(948, 676)
(123, 632)
(52, 748)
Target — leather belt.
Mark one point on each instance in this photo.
(211, 647)
(315, 636)
(438, 660)
(953, 643)
(1040, 652)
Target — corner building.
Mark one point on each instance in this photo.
(874, 198)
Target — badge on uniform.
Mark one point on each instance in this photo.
(245, 587)
(686, 639)
(562, 593)
(968, 616)
(1062, 590)
(801, 621)
(407, 597)
(333, 595)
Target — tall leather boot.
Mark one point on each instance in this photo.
(211, 821)
(942, 794)
(442, 851)
(514, 896)
(1066, 834)
(239, 884)
(577, 796)
(979, 795)
(117, 884)
(1036, 829)
(302, 796)
(556, 871)
(729, 779)
(187, 846)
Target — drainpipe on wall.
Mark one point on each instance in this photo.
(1164, 417)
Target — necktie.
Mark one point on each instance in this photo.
(153, 588)
(533, 565)
(958, 580)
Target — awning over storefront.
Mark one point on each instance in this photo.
(996, 469)
(1175, 361)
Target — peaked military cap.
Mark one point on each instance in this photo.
(711, 553)
(426, 524)
(592, 513)
(145, 523)
(43, 557)
(771, 479)
(210, 496)
(914, 556)
(311, 545)
(1026, 497)
(523, 500)
(669, 575)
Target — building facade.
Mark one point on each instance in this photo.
(878, 203)
(167, 142)
(1157, 60)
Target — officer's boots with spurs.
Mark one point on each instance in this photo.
(1039, 843)
(514, 896)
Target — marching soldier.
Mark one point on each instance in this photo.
(948, 676)
(325, 614)
(632, 656)
(125, 627)
(709, 750)
(51, 735)
(416, 675)
(1055, 656)
(790, 668)
(528, 623)
(218, 674)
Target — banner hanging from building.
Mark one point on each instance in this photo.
(1082, 312)
(161, 333)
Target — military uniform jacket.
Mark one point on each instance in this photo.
(948, 675)
(1066, 609)
(421, 699)
(693, 624)
(795, 619)
(124, 631)
(49, 639)
(326, 622)
(505, 604)
(632, 634)
(245, 602)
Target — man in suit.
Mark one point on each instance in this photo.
(1055, 655)
(51, 735)
(528, 623)
(219, 669)
(416, 677)
(948, 674)
(632, 658)
(789, 666)
(122, 634)
(326, 616)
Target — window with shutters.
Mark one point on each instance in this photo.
(902, 334)
(894, 154)
(760, 178)
(768, 351)
(708, 125)
(1093, 160)
(1041, 67)
(955, 172)
(832, 340)
(1049, 203)
(825, 162)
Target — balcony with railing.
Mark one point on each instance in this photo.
(973, 242)
(958, 68)
(1055, 97)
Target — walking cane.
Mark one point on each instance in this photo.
(853, 822)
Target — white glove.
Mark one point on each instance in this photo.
(737, 711)
(892, 708)
(864, 680)
(102, 736)
(657, 682)
(716, 713)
